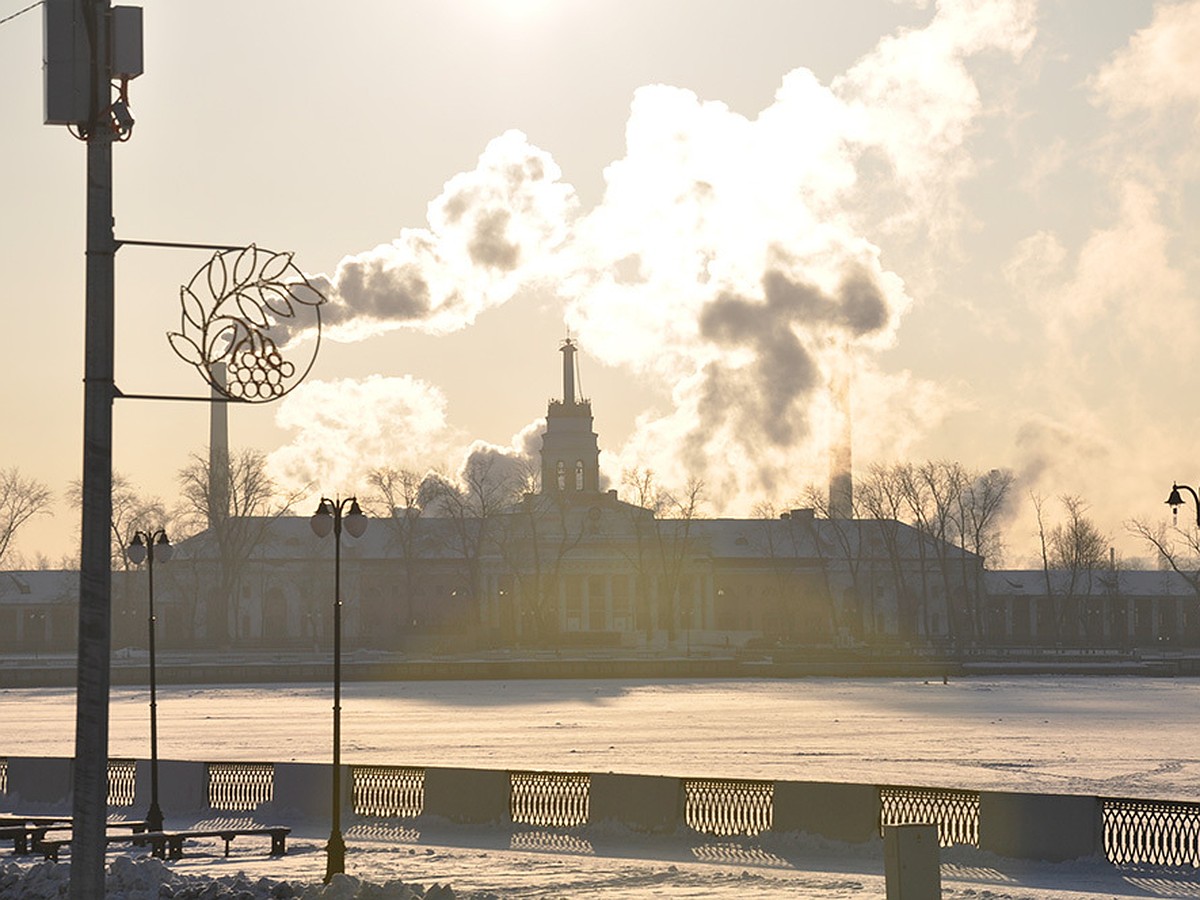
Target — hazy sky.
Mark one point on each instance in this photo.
(989, 208)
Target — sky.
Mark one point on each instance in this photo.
(983, 211)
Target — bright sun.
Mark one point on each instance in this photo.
(520, 10)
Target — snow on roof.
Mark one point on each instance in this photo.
(37, 586)
(1100, 582)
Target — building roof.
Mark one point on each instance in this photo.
(38, 586)
(1094, 583)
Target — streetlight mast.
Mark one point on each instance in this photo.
(156, 546)
(329, 518)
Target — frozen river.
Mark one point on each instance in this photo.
(1116, 736)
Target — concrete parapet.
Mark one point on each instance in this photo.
(182, 786)
(1049, 827)
(473, 796)
(305, 790)
(840, 812)
(649, 803)
(40, 784)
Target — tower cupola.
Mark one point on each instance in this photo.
(570, 449)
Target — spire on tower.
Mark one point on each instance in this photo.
(568, 352)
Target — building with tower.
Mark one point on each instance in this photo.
(500, 562)
(563, 561)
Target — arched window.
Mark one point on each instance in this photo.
(562, 475)
(579, 474)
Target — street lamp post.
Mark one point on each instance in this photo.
(329, 518)
(148, 546)
(1175, 501)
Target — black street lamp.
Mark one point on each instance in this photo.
(1175, 501)
(327, 518)
(149, 545)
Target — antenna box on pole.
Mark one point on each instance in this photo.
(66, 62)
(126, 41)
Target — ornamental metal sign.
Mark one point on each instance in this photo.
(239, 314)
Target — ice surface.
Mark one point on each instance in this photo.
(1132, 737)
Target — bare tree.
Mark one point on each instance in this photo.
(20, 500)
(131, 511)
(535, 542)
(396, 498)
(881, 496)
(662, 541)
(230, 535)
(1178, 547)
(1077, 552)
(979, 506)
(783, 540)
(982, 504)
(487, 485)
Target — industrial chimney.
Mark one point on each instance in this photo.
(841, 483)
(218, 449)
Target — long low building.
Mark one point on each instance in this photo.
(569, 563)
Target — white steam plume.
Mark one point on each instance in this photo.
(734, 259)
(346, 428)
(489, 231)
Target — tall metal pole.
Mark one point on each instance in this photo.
(336, 851)
(154, 817)
(328, 518)
(90, 787)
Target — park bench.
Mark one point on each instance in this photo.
(27, 832)
(169, 844)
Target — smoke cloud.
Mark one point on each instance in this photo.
(346, 428)
(736, 261)
(489, 231)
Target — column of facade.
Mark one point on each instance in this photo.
(608, 602)
(562, 603)
(652, 604)
(585, 611)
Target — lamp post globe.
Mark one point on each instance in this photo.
(330, 516)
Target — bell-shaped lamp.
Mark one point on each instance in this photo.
(322, 521)
(136, 551)
(162, 548)
(356, 522)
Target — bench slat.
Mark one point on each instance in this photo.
(169, 844)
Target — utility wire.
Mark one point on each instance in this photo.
(20, 11)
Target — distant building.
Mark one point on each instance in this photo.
(1092, 608)
(570, 563)
(38, 610)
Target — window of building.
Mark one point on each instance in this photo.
(562, 475)
(579, 474)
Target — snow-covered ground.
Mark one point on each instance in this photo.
(1112, 736)
(1121, 736)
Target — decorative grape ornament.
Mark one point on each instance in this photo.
(236, 311)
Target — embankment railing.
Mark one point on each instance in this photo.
(1127, 832)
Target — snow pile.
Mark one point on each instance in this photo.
(150, 879)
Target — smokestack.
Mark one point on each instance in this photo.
(218, 449)
(841, 483)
